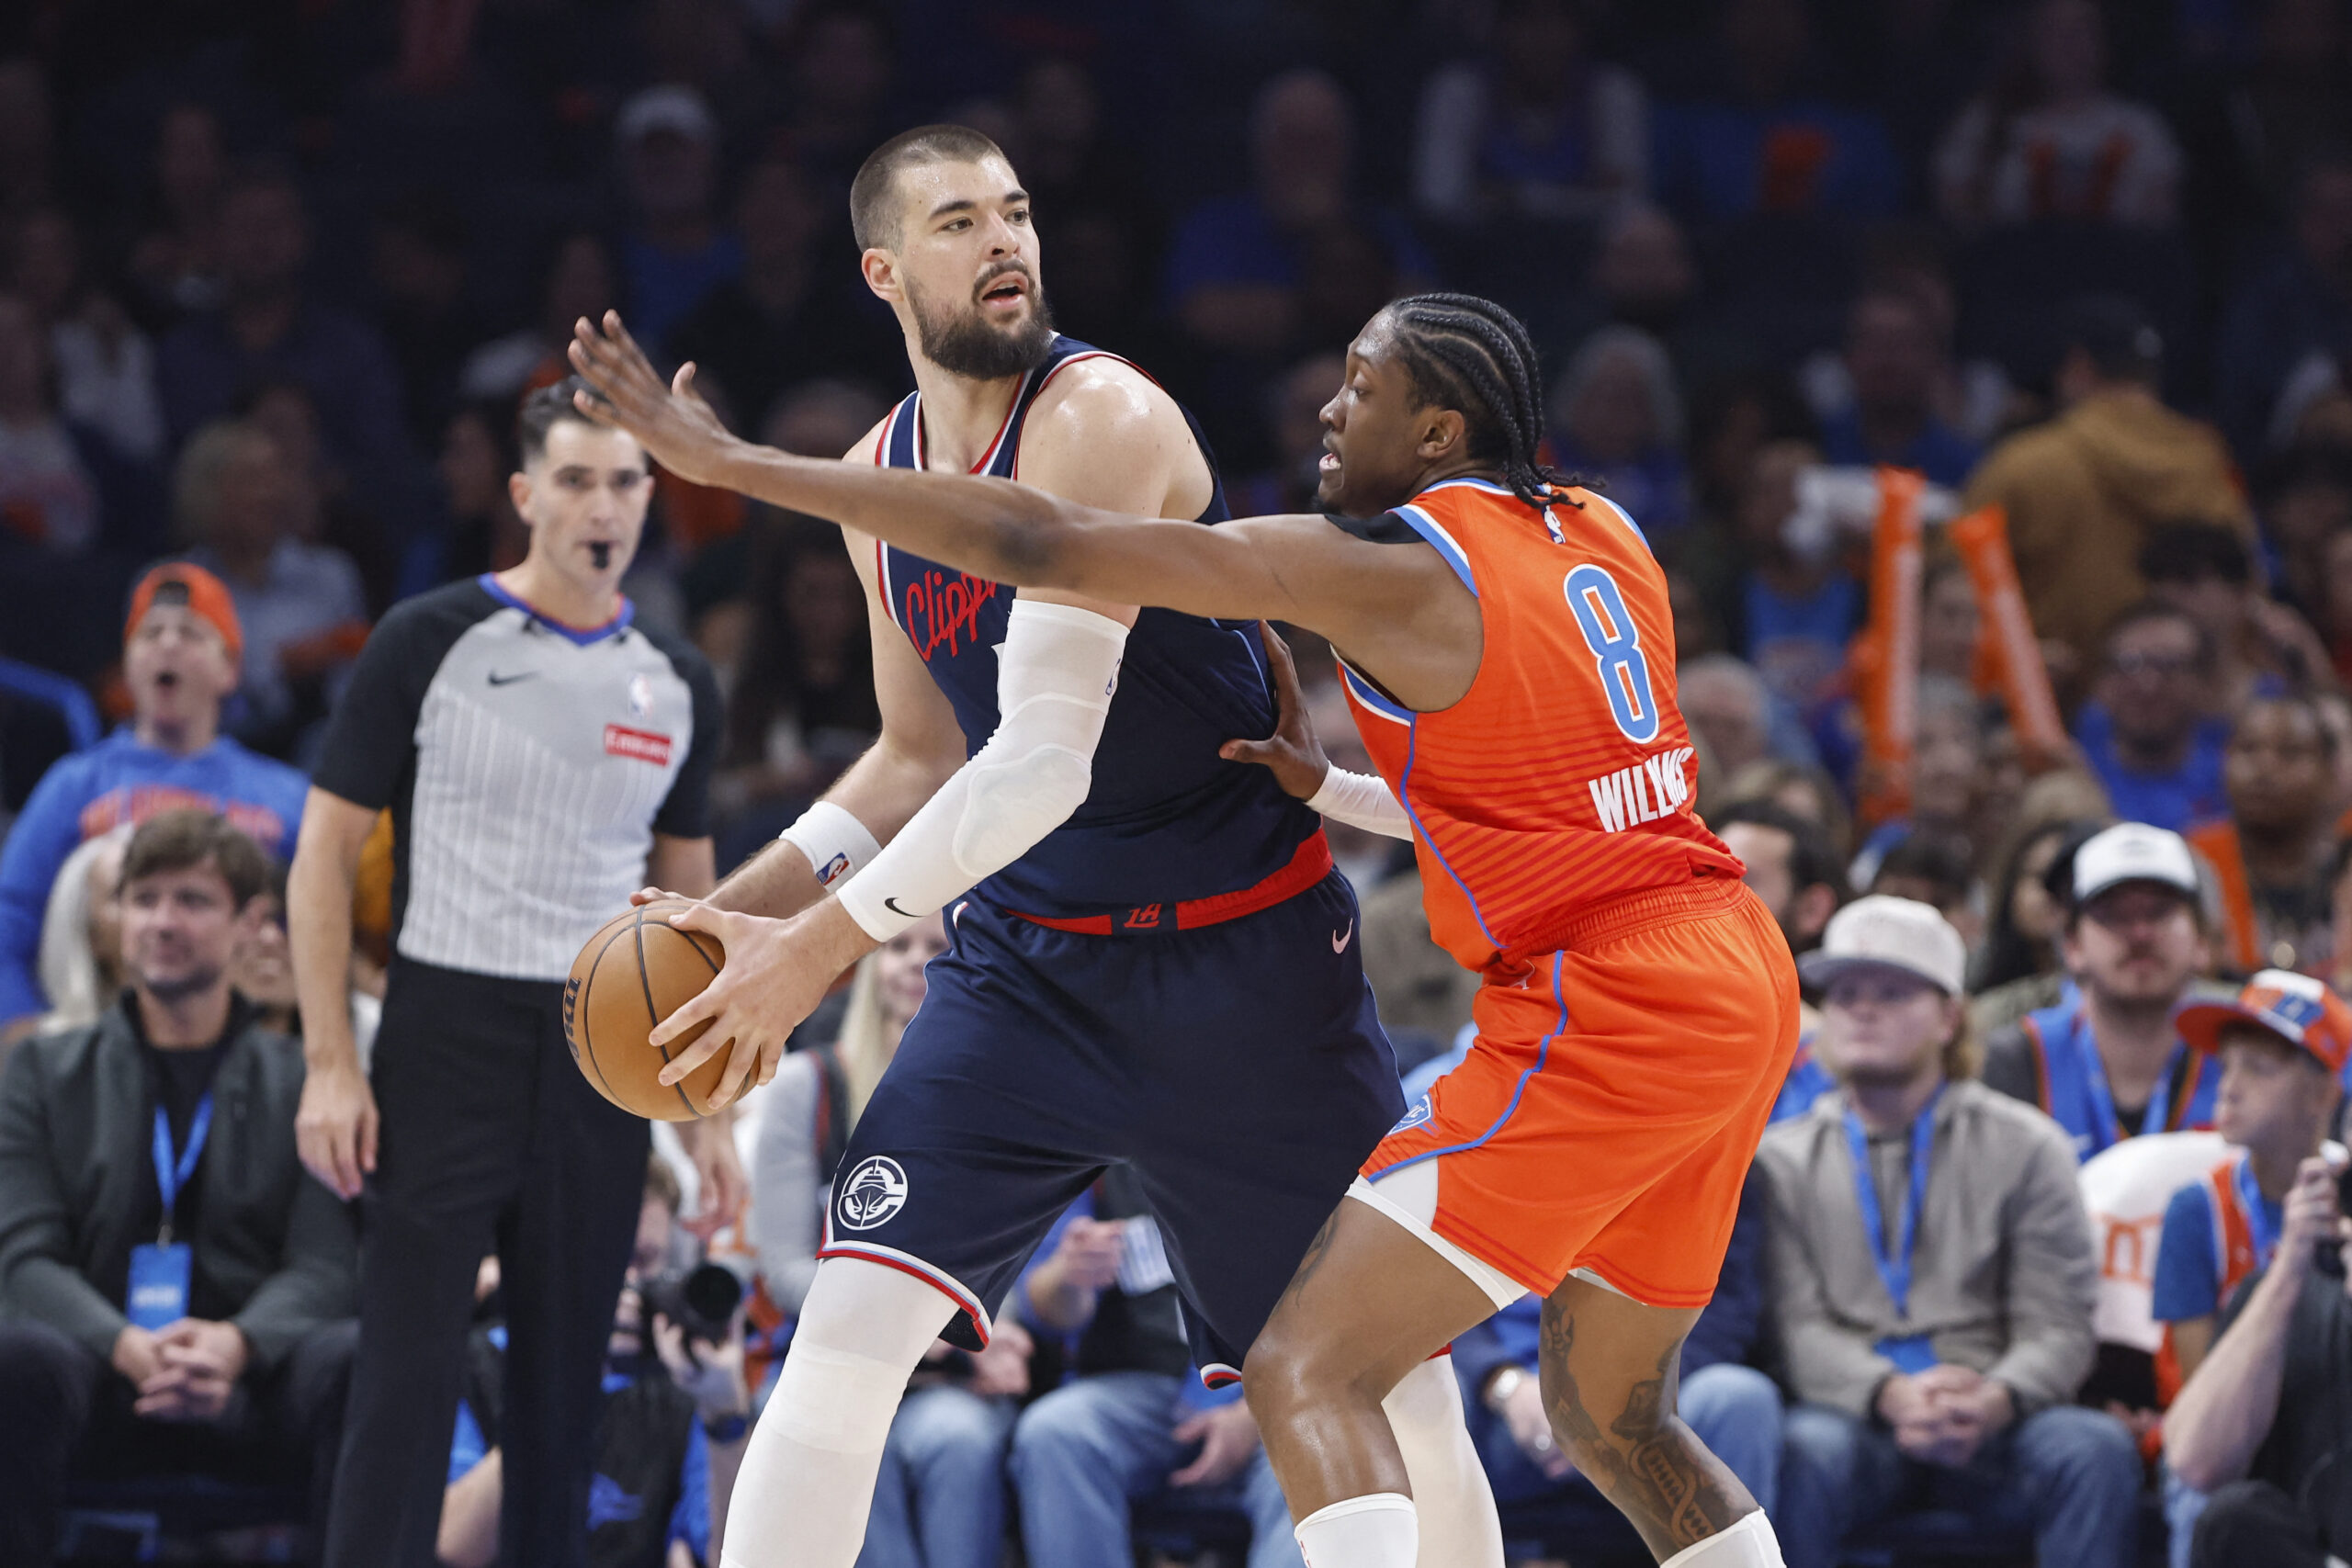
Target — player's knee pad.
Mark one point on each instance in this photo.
(835, 1400)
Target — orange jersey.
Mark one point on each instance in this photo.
(1563, 779)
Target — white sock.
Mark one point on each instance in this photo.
(1454, 1505)
(1751, 1543)
(807, 1483)
(1377, 1532)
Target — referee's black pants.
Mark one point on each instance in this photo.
(490, 1137)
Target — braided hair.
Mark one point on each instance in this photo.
(1463, 352)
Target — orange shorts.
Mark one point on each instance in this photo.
(1606, 1117)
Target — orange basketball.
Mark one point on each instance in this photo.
(636, 971)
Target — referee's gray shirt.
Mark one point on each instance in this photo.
(528, 766)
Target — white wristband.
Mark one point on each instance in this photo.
(1360, 800)
(835, 841)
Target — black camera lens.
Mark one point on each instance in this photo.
(701, 1301)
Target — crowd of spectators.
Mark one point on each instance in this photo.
(273, 280)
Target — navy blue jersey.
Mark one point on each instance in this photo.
(1168, 820)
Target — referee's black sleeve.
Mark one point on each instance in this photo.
(685, 811)
(372, 738)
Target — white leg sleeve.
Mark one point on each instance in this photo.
(1458, 1524)
(1377, 1532)
(1751, 1543)
(801, 1498)
(1057, 669)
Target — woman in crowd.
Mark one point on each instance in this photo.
(81, 933)
(262, 969)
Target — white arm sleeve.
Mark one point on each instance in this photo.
(1360, 800)
(1057, 669)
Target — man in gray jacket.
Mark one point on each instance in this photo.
(175, 1291)
(1931, 1275)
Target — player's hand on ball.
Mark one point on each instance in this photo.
(671, 422)
(645, 896)
(776, 973)
(1291, 750)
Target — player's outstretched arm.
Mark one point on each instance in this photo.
(995, 529)
(1399, 611)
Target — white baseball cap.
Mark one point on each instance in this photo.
(1885, 933)
(2133, 851)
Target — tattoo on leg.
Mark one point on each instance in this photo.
(1647, 1462)
(1317, 1250)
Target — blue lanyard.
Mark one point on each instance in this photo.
(2258, 1221)
(170, 1175)
(1894, 1269)
(2107, 1127)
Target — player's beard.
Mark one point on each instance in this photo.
(960, 341)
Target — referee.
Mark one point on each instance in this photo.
(542, 757)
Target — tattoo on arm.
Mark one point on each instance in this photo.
(1646, 1462)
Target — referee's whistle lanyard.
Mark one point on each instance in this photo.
(2107, 1127)
(172, 1175)
(1912, 1353)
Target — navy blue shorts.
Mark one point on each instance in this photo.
(1239, 1068)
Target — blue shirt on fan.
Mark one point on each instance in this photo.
(2187, 795)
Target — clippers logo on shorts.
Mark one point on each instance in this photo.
(1413, 1118)
(643, 745)
(875, 1192)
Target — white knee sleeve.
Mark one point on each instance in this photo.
(834, 1400)
(1057, 671)
(1374, 1531)
(1751, 1543)
(808, 1477)
(1459, 1527)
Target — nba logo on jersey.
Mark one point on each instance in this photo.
(1419, 1113)
(640, 697)
(875, 1192)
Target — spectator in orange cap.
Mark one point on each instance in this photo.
(2283, 1043)
(181, 647)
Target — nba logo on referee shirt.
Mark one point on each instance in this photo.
(640, 697)
(874, 1190)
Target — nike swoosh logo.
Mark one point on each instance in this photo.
(1339, 940)
(892, 905)
(498, 680)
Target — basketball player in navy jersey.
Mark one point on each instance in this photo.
(1153, 961)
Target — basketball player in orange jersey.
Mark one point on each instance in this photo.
(1506, 646)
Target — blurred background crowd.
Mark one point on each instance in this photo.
(274, 277)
